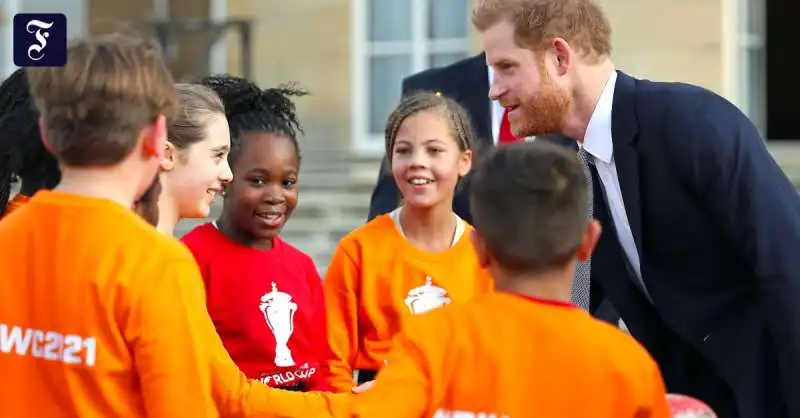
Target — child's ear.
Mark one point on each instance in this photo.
(590, 237)
(43, 135)
(465, 164)
(170, 157)
(480, 249)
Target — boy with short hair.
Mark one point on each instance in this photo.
(101, 314)
(524, 351)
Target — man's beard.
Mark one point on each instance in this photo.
(543, 112)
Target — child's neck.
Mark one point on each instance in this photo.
(102, 183)
(236, 235)
(429, 229)
(554, 285)
(168, 216)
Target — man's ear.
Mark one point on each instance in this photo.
(562, 55)
(480, 249)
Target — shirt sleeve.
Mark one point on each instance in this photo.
(320, 380)
(165, 324)
(659, 408)
(412, 382)
(340, 294)
(237, 396)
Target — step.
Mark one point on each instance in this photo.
(323, 226)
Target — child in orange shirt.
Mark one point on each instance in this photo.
(102, 315)
(413, 260)
(524, 351)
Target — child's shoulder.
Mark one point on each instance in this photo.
(291, 254)
(378, 229)
(200, 234)
(613, 345)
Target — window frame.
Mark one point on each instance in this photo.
(420, 47)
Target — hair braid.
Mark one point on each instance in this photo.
(22, 154)
(251, 109)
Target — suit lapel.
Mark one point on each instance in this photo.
(474, 91)
(624, 132)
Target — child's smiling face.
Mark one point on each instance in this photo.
(263, 193)
(427, 160)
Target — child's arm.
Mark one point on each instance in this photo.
(164, 323)
(183, 367)
(341, 301)
(320, 380)
(237, 396)
(658, 403)
(412, 381)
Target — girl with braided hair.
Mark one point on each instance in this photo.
(418, 257)
(264, 295)
(23, 157)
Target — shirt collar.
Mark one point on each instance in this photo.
(597, 140)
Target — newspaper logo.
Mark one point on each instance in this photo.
(40, 39)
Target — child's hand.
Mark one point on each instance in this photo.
(364, 387)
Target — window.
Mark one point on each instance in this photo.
(8, 8)
(392, 39)
(752, 55)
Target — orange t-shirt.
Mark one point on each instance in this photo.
(377, 280)
(504, 355)
(104, 316)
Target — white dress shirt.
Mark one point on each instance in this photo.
(600, 147)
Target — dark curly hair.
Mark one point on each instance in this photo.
(251, 109)
(23, 157)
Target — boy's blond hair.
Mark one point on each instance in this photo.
(95, 106)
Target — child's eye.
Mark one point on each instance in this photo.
(401, 151)
(220, 156)
(435, 150)
(289, 183)
(258, 181)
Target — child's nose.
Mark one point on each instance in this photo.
(419, 159)
(274, 195)
(225, 174)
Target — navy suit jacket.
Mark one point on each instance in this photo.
(717, 227)
(467, 82)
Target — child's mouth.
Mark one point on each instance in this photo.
(212, 193)
(419, 181)
(270, 219)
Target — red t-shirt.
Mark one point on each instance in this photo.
(267, 306)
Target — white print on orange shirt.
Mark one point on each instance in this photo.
(426, 298)
(47, 345)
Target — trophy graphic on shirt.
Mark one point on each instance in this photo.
(279, 310)
(426, 298)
